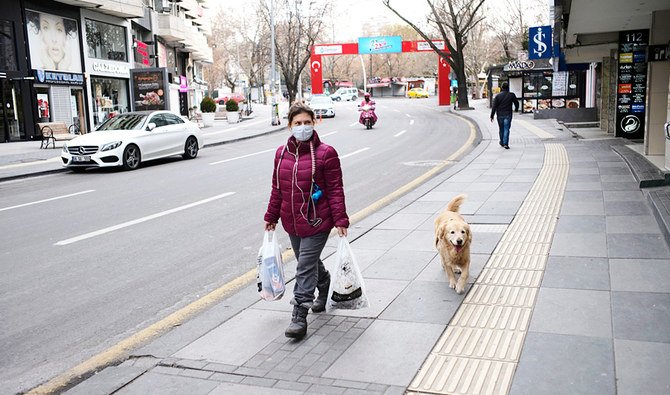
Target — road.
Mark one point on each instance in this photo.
(89, 259)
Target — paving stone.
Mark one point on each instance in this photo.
(375, 356)
(107, 381)
(627, 208)
(620, 186)
(424, 301)
(580, 223)
(322, 389)
(258, 372)
(617, 196)
(585, 178)
(515, 186)
(419, 207)
(191, 364)
(564, 364)
(156, 383)
(380, 294)
(351, 384)
(292, 385)
(355, 391)
(641, 316)
(316, 380)
(317, 369)
(640, 275)
(403, 221)
(198, 374)
(380, 239)
(234, 388)
(488, 219)
(493, 207)
(219, 367)
(417, 240)
(286, 365)
(395, 390)
(632, 224)
(577, 273)
(484, 242)
(283, 376)
(582, 196)
(579, 244)
(331, 355)
(399, 265)
(146, 362)
(572, 312)
(364, 323)
(167, 370)
(168, 361)
(255, 361)
(583, 186)
(374, 387)
(642, 367)
(353, 333)
(259, 381)
(637, 245)
(307, 361)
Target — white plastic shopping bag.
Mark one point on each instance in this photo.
(270, 275)
(347, 290)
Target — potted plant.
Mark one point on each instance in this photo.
(232, 111)
(207, 107)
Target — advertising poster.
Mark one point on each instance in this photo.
(632, 84)
(381, 44)
(53, 42)
(150, 89)
(539, 42)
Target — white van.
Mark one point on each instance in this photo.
(345, 94)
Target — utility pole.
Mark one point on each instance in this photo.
(273, 73)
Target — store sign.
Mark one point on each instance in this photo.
(425, 46)
(183, 84)
(659, 53)
(142, 52)
(381, 44)
(539, 42)
(632, 84)
(150, 89)
(112, 68)
(516, 65)
(58, 78)
(327, 49)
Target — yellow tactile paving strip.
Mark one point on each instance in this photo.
(480, 349)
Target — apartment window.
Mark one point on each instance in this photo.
(106, 41)
(7, 47)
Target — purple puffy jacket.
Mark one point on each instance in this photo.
(291, 181)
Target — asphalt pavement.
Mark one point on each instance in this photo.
(569, 291)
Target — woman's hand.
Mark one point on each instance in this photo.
(342, 231)
(270, 226)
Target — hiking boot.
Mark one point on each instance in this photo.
(320, 301)
(297, 329)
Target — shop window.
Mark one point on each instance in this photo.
(106, 41)
(110, 98)
(7, 46)
(43, 107)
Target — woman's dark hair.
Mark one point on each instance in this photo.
(298, 107)
(33, 19)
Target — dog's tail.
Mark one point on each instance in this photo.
(455, 203)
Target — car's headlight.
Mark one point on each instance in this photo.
(110, 146)
(65, 147)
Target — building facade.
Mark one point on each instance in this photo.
(70, 61)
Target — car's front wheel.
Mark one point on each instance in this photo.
(131, 157)
(190, 148)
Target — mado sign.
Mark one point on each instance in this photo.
(382, 44)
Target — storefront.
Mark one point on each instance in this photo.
(55, 57)
(108, 65)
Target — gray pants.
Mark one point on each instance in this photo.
(310, 271)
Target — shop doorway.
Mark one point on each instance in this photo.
(77, 109)
(11, 113)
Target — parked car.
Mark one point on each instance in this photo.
(345, 94)
(417, 93)
(131, 138)
(322, 106)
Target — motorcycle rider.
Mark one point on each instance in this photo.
(367, 102)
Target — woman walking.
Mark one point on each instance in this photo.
(308, 196)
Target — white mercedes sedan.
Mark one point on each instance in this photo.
(131, 138)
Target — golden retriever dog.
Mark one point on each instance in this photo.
(452, 240)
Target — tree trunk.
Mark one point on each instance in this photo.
(463, 101)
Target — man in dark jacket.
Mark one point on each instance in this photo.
(502, 104)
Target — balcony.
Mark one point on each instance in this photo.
(119, 8)
(171, 28)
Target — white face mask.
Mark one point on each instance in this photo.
(302, 132)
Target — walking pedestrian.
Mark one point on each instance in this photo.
(502, 105)
(308, 196)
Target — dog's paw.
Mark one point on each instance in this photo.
(460, 288)
(452, 284)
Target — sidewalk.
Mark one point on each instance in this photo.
(25, 158)
(569, 292)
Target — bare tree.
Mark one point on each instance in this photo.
(454, 20)
(510, 25)
(254, 49)
(297, 26)
(481, 53)
(226, 69)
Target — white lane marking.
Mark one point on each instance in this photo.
(355, 152)
(47, 200)
(408, 116)
(399, 133)
(140, 220)
(411, 122)
(243, 156)
(396, 110)
(354, 124)
(247, 123)
(327, 134)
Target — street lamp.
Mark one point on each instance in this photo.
(275, 106)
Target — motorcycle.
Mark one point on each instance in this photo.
(368, 117)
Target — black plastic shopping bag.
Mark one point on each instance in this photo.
(347, 289)
(270, 275)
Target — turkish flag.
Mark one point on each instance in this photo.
(316, 66)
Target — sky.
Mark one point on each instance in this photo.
(352, 15)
